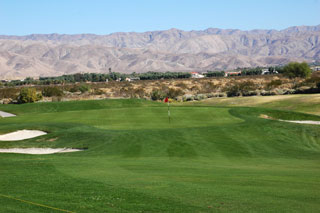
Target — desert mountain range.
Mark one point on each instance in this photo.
(170, 50)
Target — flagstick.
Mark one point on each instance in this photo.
(169, 111)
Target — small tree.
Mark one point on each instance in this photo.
(28, 95)
(295, 69)
(52, 91)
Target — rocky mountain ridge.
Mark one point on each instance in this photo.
(170, 50)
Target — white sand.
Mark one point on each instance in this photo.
(6, 114)
(303, 122)
(292, 121)
(21, 135)
(38, 151)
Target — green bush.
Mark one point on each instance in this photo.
(28, 95)
(52, 91)
(74, 89)
(233, 91)
(295, 69)
(84, 88)
(157, 95)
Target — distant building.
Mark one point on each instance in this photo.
(315, 68)
(196, 75)
(265, 72)
(232, 73)
(132, 79)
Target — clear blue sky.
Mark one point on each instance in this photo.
(20, 17)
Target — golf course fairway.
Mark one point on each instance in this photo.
(207, 159)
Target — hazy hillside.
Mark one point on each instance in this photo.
(171, 50)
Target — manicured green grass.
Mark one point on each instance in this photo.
(208, 159)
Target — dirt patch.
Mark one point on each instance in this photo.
(266, 117)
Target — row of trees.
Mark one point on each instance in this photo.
(291, 70)
(98, 77)
(215, 74)
(163, 75)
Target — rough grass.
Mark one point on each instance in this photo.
(309, 103)
(209, 159)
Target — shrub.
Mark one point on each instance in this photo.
(28, 95)
(233, 91)
(52, 91)
(157, 95)
(97, 91)
(74, 89)
(249, 93)
(8, 93)
(295, 69)
(139, 92)
(247, 86)
(209, 87)
(243, 88)
(188, 97)
(84, 88)
(173, 93)
(267, 93)
(182, 85)
(274, 83)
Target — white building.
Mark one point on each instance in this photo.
(196, 75)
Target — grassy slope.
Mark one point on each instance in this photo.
(298, 103)
(207, 159)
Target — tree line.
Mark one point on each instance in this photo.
(293, 69)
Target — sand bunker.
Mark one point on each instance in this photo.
(21, 135)
(290, 121)
(302, 122)
(38, 151)
(6, 114)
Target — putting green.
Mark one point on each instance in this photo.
(208, 159)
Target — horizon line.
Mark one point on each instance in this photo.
(173, 28)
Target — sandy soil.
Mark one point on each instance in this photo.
(38, 151)
(6, 114)
(21, 135)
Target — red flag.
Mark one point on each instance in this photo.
(166, 100)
